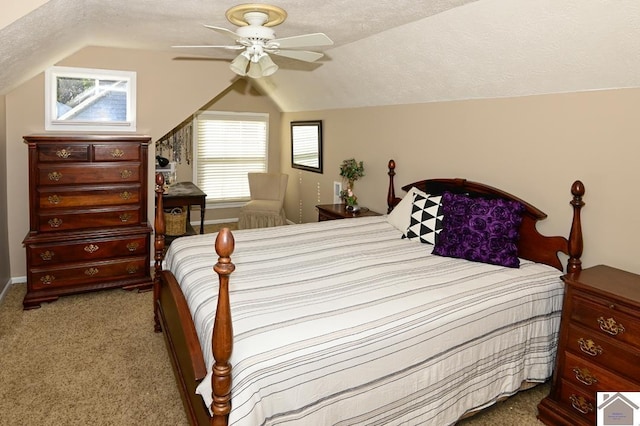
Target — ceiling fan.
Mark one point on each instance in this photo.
(257, 40)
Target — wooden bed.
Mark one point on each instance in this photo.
(173, 317)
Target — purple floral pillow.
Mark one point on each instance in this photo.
(480, 230)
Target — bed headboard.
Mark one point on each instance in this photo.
(532, 245)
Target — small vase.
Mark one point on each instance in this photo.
(353, 208)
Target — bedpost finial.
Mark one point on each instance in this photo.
(225, 243)
(577, 189)
(159, 180)
(392, 165)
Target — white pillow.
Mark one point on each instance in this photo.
(400, 216)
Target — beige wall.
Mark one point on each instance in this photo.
(168, 92)
(533, 147)
(5, 271)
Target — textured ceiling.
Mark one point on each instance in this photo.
(385, 52)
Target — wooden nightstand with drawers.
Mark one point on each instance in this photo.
(599, 346)
(87, 214)
(339, 211)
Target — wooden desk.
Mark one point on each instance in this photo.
(339, 211)
(186, 194)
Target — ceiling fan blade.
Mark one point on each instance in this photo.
(207, 45)
(306, 40)
(225, 32)
(301, 55)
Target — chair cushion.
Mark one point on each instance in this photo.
(269, 206)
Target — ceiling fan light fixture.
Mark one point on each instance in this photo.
(239, 64)
(254, 70)
(267, 66)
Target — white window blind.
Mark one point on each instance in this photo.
(228, 146)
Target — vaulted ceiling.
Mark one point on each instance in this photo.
(385, 52)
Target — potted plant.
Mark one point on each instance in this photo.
(351, 170)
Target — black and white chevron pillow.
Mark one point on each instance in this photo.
(426, 219)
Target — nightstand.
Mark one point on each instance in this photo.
(599, 346)
(338, 211)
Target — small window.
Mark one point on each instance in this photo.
(85, 99)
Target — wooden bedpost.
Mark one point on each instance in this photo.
(574, 264)
(391, 194)
(222, 342)
(158, 246)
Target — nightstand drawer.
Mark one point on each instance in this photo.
(578, 402)
(605, 320)
(593, 377)
(604, 351)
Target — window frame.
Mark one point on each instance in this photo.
(227, 202)
(53, 74)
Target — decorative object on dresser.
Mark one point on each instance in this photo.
(87, 215)
(340, 211)
(599, 344)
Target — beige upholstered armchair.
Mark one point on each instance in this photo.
(267, 199)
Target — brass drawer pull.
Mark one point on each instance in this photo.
(125, 217)
(610, 326)
(47, 279)
(63, 153)
(47, 255)
(589, 347)
(91, 248)
(133, 246)
(55, 222)
(91, 272)
(580, 404)
(117, 153)
(125, 195)
(54, 199)
(55, 176)
(132, 269)
(584, 376)
(126, 174)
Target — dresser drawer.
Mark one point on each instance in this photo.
(88, 249)
(593, 377)
(603, 351)
(577, 401)
(87, 273)
(604, 319)
(52, 198)
(68, 220)
(63, 153)
(73, 174)
(121, 152)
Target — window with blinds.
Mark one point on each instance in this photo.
(228, 146)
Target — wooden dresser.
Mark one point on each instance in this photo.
(599, 347)
(87, 215)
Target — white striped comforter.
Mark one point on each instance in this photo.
(345, 323)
